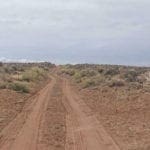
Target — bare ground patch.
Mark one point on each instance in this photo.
(53, 127)
(12, 103)
(125, 114)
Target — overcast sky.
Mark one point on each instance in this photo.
(76, 31)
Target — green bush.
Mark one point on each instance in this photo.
(88, 83)
(3, 85)
(69, 72)
(131, 76)
(99, 79)
(33, 74)
(20, 87)
(77, 77)
(105, 75)
(88, 73)
(100, 70)
(112, 71)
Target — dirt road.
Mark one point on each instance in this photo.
(22, 133)
(83, 130)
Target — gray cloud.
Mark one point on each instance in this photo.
(96, 31)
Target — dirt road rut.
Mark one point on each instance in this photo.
(22, 133)
(83, 130)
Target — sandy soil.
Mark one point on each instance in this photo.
(61, 117)
(124, 113)
(26, 131)
(12, 103)
(56, 118)
(84, 131)
(52, 131)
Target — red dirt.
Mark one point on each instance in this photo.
(11, 103)
(125, 114)
(22, 132)
(41, 123)
(26, 131)
(84, 131)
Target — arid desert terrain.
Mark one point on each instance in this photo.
(74, 107)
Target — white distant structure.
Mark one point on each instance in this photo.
(6, 60)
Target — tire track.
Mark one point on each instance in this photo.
(22, 132)
(83, 127)
(52, 130)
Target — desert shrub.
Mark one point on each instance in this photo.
(33, 74)
(20, 87)
(116, 83)
(7, 70)
(135, 85)
(141, 79)
(5, 77)
(112, 71)
(77, 77)
(14, 69)
(92, 81)
(110, 75)
(3, 85)
(27, 76)
(100, 70)
(45, 65)
(88, 73)
(99, 79)
(88, 83)
(63, 71)
(69, 72)
(131, 76)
